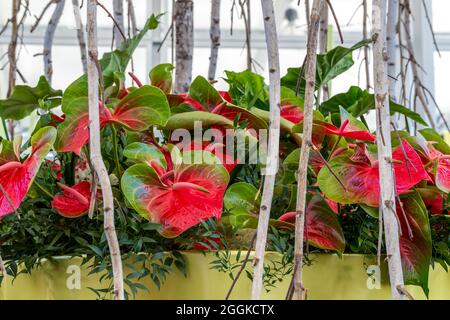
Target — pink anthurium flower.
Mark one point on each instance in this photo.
(16, 177)
(74, 201)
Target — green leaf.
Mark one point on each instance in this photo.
(440, 144)
(248, 89)
(111, 63)
(415, 251)
(358, 102)
(143, 152)
(161, 77)
(329, 66)
(186, 120)
(202, 91)
(25, 99)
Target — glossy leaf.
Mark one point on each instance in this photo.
(329, 66)
(16, 177)
(324, 229)
(437, 140)
(358, 102)
(111, 63)
(142, 108)
(203, 92)
(360, 176)
(143, 152)
(415, 251)
(25, 99)
(161, 77)
(186, 120)
(247, 89)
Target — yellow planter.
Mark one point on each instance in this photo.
(329, 277)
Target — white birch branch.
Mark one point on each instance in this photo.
(391, 30)
(366, 48)
(118, 17)
(387, 184)
(323, 41)
(310, 77)
(80, 33)
(273, 146)
(48, 39)
(132, 16)
(95, 151)
(184, 34)
(214, 33)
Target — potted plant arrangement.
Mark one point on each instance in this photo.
(185, 170)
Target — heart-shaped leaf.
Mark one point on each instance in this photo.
(25, 99)
(416, 249)
(161, 77)
(324, 230)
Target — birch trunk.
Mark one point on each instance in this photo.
(248, 34)
(12, 58)
(48, 39)
(391, 30)
(132, 17)
(95, 151)
(366, 48)
(310, 76)
(273, 146)
(387, 187)
(80, 33)
(214, 33)
(184, 34)
(118, 16)
(323, 41)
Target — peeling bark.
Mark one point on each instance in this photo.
(387, 185)
(273, 146)
(95, 150)
(184, 34)
(310, 77)
(214, 33)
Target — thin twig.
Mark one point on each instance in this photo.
(338, 26)
(38, 19)
(242, 268)
(116, 24)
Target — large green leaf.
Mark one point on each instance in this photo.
(202, 91)
(329, 66)
(187, 120)
(248, 89)
(437, 140)
(241, 204)
(161, 77)
(111, 63)
(416, 250)
(143, 152)
(358, 102)
(25, 99)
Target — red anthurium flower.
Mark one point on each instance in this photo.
(74, 202)
(360, 176)
(177, 199)
(439, 166)
(433, 199)
(16, 177)
(292, 113)
(138, 110)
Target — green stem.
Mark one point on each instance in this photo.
(43, 189)
(116, 151)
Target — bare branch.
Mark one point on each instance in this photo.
(214, 33)
(95, 151)
(38, 19)
(80, 34)
(48, 39)
(387, 182)
(119, 26)
(184, 29)
(338, 26)
(273, 145)
(310, 76)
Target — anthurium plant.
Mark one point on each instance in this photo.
(186, 172)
